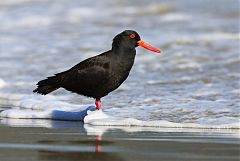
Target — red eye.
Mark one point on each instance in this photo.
(132, 36)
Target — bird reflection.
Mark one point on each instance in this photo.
(98, 147)
(68, 140)
(78, 156)
(83, 151)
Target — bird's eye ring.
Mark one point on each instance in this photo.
(132, 36)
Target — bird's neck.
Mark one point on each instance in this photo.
(124, 58)
(124, 51)
(124, 55)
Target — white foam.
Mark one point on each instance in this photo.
(26, 114)
(220, 36)
(176, 17)
(45, 107)
(14, 2)
(155, 9)
(99, 118)
(100, 130)
(29, 21)
(37, 106)
(12, 97)
(2, 83)
(95, 115)
(76, 14)
(36, 109)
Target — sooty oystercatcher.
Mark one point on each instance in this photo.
(99, 75)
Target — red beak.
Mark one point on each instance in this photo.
(147, 46)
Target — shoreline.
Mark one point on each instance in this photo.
(77, 141)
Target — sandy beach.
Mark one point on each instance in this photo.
(70, 141)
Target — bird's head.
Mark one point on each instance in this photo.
(131, 39)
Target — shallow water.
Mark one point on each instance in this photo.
(61, 140)
(194, 80)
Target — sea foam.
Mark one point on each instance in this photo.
(35, 108)
(2, 83)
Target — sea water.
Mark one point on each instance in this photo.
(194, 82)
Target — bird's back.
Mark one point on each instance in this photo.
(97, 76)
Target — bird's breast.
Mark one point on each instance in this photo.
(119, 73)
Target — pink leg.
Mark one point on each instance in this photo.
(98, 104)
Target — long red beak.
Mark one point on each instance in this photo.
(147, 46)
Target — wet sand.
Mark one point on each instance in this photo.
(26, 140)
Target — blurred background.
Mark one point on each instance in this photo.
(195, 78)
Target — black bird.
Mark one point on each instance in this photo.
(99, 75)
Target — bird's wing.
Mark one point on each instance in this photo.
(88, 74)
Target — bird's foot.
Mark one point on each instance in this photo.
(98, 104)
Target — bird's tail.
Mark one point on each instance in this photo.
(48, 85)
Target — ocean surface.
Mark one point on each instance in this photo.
(194, 82)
